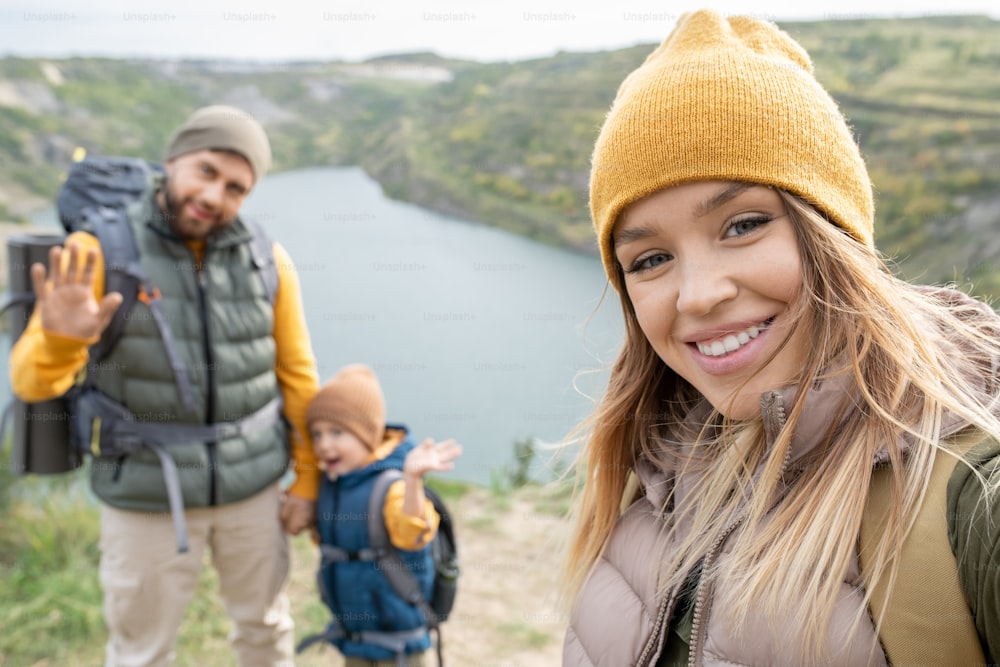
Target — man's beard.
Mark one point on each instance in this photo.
(172, 208)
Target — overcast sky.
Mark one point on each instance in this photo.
(353, 30)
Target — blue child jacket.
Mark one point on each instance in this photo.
(358, 594)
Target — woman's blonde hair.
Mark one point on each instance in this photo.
(902, 378)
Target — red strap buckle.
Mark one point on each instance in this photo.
(146, 297)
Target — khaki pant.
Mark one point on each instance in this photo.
(147, 584)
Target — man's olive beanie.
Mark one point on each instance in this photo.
(221, 127)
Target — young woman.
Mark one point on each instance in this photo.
(771, 364)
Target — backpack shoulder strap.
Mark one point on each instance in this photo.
(122, 271)
(927, 620)
(400, 577)
(262, 251)
(446, 528)
(378, 536)
(14, 299)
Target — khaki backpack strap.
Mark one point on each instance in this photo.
(928, 621)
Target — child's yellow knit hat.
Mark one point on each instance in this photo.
(727, 99)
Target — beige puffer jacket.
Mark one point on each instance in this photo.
(617, 619)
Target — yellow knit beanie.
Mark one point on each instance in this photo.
(352, 399)
(731, 100)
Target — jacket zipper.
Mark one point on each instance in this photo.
(774, 421)
(209, 389)
(334, 598)
(659, 625)
(118, 468)
(702, 603)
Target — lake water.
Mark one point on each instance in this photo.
(475, 333)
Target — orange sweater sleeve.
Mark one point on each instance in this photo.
(408, 532)
(44, 365)
(295, 366)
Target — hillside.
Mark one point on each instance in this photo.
(508, 144)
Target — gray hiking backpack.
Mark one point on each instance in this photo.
(46, 436)
(93, 198)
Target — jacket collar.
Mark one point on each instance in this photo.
(390, 454)
(822, 406)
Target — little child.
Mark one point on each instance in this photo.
(373, 626)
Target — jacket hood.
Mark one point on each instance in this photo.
(389, 455)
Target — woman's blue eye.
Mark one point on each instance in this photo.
(648, 262)
(743, 226)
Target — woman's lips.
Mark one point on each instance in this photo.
(749, 342)
(731, 342)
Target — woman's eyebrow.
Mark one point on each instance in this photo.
(631, 234)
(720, 198)
(626, 236)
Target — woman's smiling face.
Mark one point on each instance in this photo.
(712, 269)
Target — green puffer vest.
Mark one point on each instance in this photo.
(222, 322)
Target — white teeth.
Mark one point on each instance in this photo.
(730, 343)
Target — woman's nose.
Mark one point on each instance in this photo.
(704, 284)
